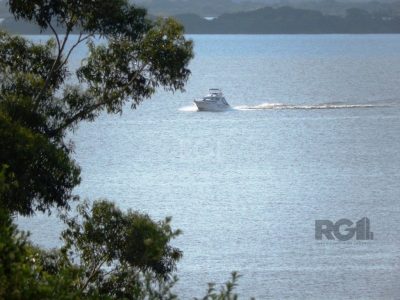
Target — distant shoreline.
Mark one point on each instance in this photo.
(265, 21)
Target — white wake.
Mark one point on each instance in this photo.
(189, 108)
(265, 106)
(283, 106)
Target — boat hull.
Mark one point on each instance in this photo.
(211, 106)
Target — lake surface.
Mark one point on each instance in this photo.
(314, 134)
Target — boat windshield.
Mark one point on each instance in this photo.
(215, 92)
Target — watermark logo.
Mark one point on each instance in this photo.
(343, 230)
(203, 150)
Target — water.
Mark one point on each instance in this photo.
(313, 134)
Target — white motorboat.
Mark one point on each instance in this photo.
(214, 101)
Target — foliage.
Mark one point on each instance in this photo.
(39, 105)
(226, 292)
(116, 248)
(37, 168)
(23, 271)
(12, 259)
(107, 253)
(90, 266)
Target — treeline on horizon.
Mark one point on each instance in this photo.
(214, 8)
(268, 20)
(288, 20)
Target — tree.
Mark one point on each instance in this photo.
(23, 273)
(39, 105)
(89, 266)
(107, 254)
(118, 250)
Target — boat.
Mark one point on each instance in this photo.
(214, 101)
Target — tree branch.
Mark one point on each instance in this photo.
(54, 66)
(95, 270)
(137, 74)
(92, 108)
(80, 40)
(76, 117)
(56, 35)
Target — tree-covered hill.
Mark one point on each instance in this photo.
(267, 20)
(287, 20)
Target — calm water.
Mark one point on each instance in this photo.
(314, 134)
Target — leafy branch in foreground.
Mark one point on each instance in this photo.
(122, 255)
(107, 254)
(225, 292)
(107, 240)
